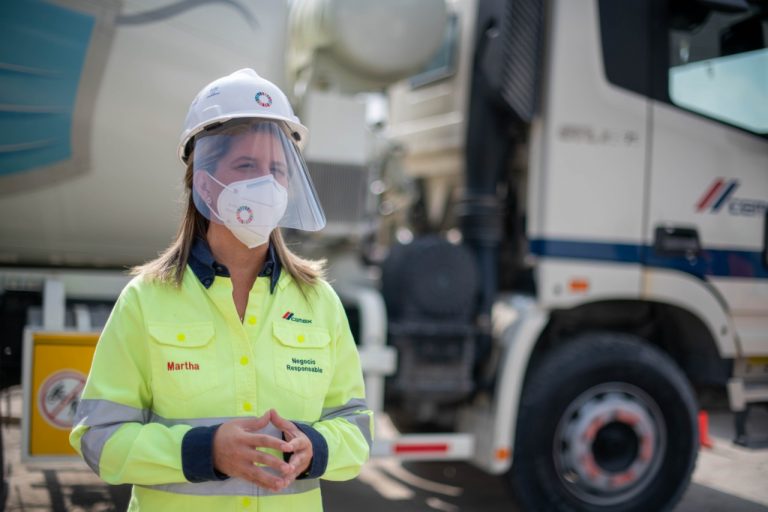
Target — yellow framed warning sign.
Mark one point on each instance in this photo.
(56, 365)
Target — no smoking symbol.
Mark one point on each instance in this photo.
(59, 396)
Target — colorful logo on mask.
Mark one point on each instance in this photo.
(244, 215)
(263, 99)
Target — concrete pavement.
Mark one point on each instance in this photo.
(728, 478)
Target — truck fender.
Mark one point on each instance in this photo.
(494, 452)
(699, 298)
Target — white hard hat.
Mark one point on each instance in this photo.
(243, 94)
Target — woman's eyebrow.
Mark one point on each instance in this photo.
(244, 157)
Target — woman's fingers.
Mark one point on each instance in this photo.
(301, 454)
(300, 448)
(254, 424)
(265, 441)
(299, 462)
(254, 466)
(281, 423)
(237, 450)
(298, 444)
(263, 478)
(257, 456)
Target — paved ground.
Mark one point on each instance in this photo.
(727, 479)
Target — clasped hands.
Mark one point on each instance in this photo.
(236, 451)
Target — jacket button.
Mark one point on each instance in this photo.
(181, 336)
(243, 360)
(247, 406)
(300, 338)
(246, 502)
(252, 320)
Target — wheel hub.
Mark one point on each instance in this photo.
(609, 443)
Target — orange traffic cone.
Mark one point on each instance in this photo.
(704, 439)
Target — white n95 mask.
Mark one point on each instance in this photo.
(250, 177)
(251, 209)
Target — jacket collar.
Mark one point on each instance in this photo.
(206, 268)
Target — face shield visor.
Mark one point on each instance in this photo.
(249, 176)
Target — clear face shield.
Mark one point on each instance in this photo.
(249, 176)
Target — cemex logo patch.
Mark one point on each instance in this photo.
(290, 316)
(720, 194)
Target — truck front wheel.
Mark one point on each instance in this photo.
(607, 423)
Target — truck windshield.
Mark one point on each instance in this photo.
(719, 68)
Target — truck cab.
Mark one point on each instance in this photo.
(605, 165)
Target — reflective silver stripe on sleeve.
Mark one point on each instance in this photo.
(103, 419)
(353, 405)
(103, 412)
(92, 444)
(356, 412)
(235, 487)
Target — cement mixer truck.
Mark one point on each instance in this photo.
(547, 220)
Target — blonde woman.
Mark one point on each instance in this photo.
(226, 377)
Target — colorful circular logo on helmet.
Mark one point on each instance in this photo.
(244, 215)
(263, 99)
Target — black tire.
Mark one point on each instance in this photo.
(573, 454)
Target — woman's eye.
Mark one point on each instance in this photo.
(245, 166)
(278, 171)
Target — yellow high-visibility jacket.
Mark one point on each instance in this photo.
(173, 363)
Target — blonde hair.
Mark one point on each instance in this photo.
(170, 265)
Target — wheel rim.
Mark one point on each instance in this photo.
(609, 443)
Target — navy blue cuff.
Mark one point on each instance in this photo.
(197, 455)
(319, 452)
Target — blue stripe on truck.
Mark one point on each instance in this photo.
(712, 262)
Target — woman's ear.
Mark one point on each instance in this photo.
(202, 184)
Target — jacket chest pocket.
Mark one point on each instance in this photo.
(302, 359)
(184, 361)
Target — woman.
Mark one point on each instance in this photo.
(226, 377)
